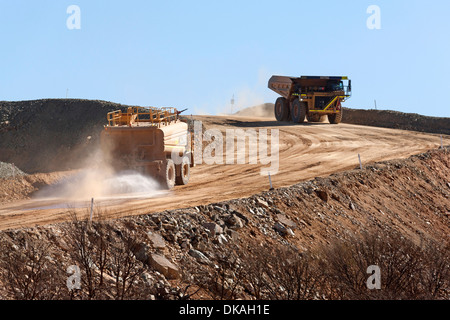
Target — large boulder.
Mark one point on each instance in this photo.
(164, 266)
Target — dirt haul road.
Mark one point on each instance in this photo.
(305, 151)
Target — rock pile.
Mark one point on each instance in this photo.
(8, 170)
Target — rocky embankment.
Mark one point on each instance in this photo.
(210, 251)
(397, 120)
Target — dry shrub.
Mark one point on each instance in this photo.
(126, 269)
(338, 271)
(276, 273)
(222, 278)
(408, 271)
(106, 257)
(435, 276)
(29, 271)
(281, 273)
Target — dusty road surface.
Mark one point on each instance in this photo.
(305, 151)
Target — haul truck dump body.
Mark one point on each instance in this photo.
(152, 141)
(310, 97)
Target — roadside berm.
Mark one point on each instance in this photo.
(313, 240)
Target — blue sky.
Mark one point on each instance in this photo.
(197, 54)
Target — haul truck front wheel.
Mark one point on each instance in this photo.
(183, 172)
(282, 109)
(168, 174)
(335, 118)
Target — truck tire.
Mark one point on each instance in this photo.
(335, 118)
(168, 175)
(183, 172)
(316, 118)
(298, 111)
(282, 109)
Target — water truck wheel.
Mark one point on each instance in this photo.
(183, 172)
(168, 174)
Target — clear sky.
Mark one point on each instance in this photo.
(197, 54)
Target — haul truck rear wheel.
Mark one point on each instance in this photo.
(183, 172)
(335, 118)
(168, 174)
(282, 109)
(298, 111)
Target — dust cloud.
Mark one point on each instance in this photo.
(98, 180)
(102, 184)
(260, 111)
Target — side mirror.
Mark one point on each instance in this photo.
(349, 85)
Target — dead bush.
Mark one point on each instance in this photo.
(263, 273)
(280, 273)
(126, 269)
(408, 271)
(436, 271)
(222, 280)
(106, 257)
(29, 271)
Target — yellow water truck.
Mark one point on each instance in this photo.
(152, 141)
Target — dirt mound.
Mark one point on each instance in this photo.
(24, 186)
(53, 134)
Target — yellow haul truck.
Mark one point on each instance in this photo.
(309, 97)
(145, 140)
